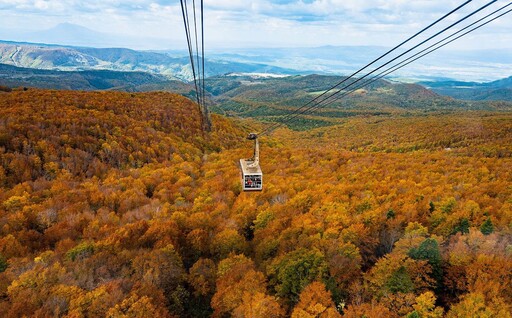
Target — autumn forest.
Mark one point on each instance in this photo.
(116, 204)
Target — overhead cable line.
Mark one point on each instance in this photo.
(412, 58)
(372, 62)
(426, 51)
(184, 11)
(203, 86)
(318, 103)
(198, 66)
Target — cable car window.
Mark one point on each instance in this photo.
(252, 182)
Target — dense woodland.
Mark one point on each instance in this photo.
(118, 205)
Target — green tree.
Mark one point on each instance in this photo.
(487, 227)
(3, 263)
(297, 269)
(414, 314)
(462, 227)
(431, 207)
(429, 251)
(400, 282)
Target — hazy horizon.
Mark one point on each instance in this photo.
(235, 26)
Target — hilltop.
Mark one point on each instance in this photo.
(117, 204)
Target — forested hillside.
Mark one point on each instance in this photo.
(118, 205)
(270, 99)
(12, 76)
(264, 97)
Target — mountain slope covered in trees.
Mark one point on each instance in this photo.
(117, 204)
(270, 99)
(12, 76)
(93, 80)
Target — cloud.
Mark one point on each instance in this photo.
(253, 23)
(80, 6)
(362, 21)
(328, 9)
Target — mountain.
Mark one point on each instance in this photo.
(12, 76)
(72, 34)
(496, 90)
(271, 99)
(68, 58)
(323, 60)
(502, 83)
(328, 60)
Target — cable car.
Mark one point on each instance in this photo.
(252, 177)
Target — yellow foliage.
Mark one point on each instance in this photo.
(315, 302)
(474, 305)
(425, 306)
(116, 203)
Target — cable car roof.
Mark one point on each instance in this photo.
(249, 170)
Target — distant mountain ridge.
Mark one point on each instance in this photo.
(72, 34)
(467, 65)
(496, 90)
(479, 65)
(69, 58)
(13, 76)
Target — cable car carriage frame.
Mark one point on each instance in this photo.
(250, 170)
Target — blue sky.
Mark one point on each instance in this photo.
(245, 23)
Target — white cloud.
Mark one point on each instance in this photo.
(255, 23)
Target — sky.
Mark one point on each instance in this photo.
(157, 24)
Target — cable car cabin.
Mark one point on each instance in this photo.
(252, 177)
